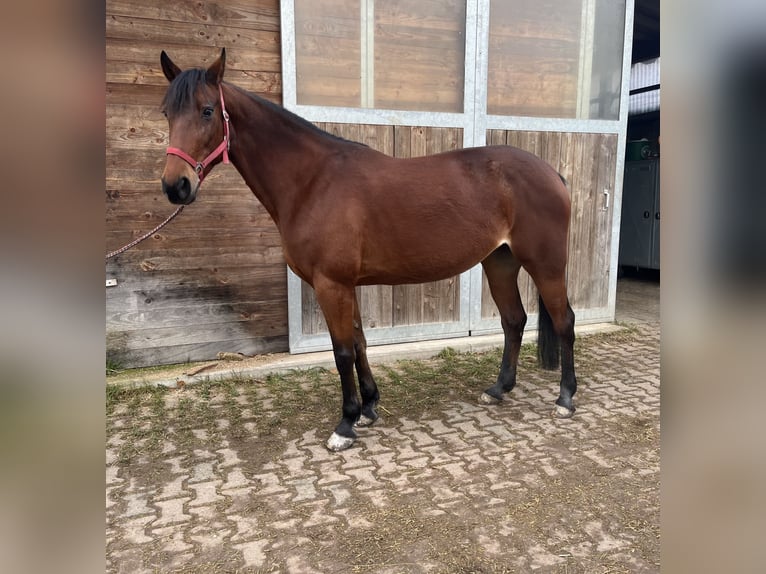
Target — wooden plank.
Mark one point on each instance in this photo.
(578, 224)
(375, 305)
(248, 14)
(157, 354)
(607, 159)
(408, 299)
(133, 39)
(497, 137)
(402, 141)
(380, 138)
(312, 317)
(418, 142)
(441, 299)
(376, 301)
(262, 316)
(174, 287)
(447, 13)
(259, 82)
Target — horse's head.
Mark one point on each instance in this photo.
(198, 125)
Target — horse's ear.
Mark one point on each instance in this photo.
(215, 71)
(168, 67)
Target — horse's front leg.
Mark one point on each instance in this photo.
(337, 303)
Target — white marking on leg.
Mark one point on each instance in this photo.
(488, 399)
(562, 412)
(337, 442)
(364, 421)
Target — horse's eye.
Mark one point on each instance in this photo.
(207, 113)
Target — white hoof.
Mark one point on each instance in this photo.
(488, 399)
(364, 421)
(337, 443)
(562, 412)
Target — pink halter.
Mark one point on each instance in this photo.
(223, 147)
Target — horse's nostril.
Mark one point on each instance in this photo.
(179, 191)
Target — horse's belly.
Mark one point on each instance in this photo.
(424, 261)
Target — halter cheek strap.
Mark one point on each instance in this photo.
(222, 149)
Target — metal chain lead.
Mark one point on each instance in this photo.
(146, 235)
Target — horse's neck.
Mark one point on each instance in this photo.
(276, 154)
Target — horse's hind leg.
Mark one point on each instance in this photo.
(561, 319)
(367, 386)
(502, 270)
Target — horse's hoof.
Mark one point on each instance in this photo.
(364, 421)
(562, 412)
(488, 399)
(337, 442)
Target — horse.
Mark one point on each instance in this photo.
(349, 215)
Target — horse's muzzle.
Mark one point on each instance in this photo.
(181, 192)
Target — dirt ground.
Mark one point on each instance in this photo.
(234, 477)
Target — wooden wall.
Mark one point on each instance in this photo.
(214, 279)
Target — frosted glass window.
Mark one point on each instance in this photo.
(555, 58)
(385, 54)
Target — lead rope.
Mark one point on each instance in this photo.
(146, 235)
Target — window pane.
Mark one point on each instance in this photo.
(327, 52)
(608, 42)
(419, 55)
(393, 54)
(555, 58)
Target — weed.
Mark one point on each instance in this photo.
(113, 366)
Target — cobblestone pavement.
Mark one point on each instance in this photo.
(235, 478)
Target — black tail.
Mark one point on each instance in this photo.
(548, 344)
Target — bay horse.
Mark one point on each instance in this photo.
(349, 215)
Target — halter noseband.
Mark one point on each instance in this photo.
(223, 147)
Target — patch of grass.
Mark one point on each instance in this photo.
(144, 420)
(298, 399)
(233, 409)
(114, 395)
(113, 366)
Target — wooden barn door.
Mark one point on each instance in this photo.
(412, 78)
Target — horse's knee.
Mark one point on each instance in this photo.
(515, 323)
